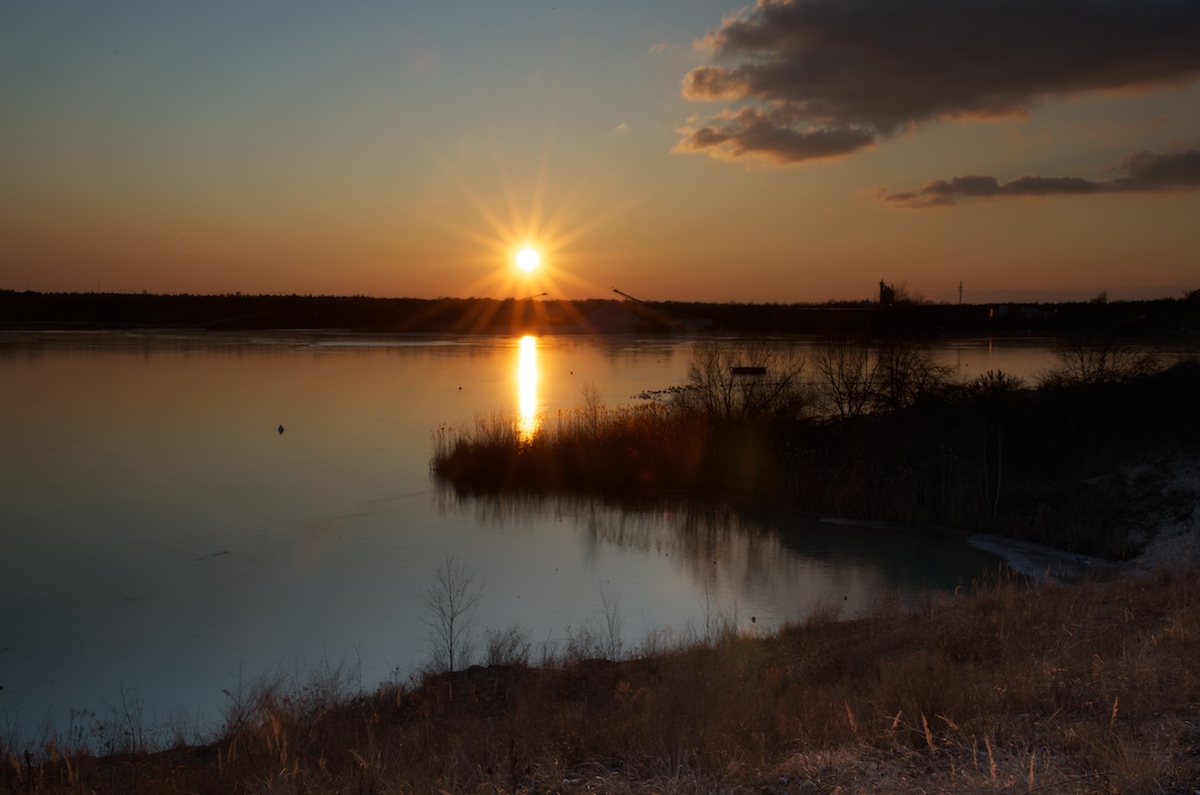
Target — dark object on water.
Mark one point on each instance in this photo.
(281, 430)
(749, 371)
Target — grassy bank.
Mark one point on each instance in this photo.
(1088, 689)
(1069, 463)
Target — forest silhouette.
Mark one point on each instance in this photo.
(233, 312)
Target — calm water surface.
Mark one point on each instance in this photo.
(161, 537)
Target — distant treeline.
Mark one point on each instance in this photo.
(32, 310)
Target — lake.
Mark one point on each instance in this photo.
(165, 544)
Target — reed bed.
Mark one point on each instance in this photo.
(632, 451)
(1010, 688)
(1050, 464)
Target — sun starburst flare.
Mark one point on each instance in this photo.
(524, 248)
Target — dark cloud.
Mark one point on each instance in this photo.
(773, 136)
(1147, 173)
(874, 67)
(1163, 171)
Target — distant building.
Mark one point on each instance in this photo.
(887, 294)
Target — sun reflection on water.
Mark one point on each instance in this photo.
(527, 380)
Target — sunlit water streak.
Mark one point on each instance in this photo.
(527, 389)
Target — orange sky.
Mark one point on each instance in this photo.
(799, 151)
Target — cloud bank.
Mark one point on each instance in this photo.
(825, 78)
(1145, 172)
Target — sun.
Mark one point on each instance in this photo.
(517, 250)
(527, 259)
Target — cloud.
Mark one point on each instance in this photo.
(1145, 172)
(772, 136)
(871, 68)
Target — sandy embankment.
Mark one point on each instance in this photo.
(1043, 563)
(1164, 494)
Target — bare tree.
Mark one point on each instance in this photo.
(844, 375)
(905, 369)
(886, 372)
(613, 624)
(1094, 357)
(449, 618)
(737, 382)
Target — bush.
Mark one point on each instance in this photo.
(1088, 356)
(882, 373)
(744, 383)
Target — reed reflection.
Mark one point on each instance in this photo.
(778, 566)
(528, 421)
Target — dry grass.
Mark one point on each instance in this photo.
(1042, 465)
(1084, 689)
(626, 450)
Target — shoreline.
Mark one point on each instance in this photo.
(1081, 690)
(1042, 563)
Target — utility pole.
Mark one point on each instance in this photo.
(960, 293)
